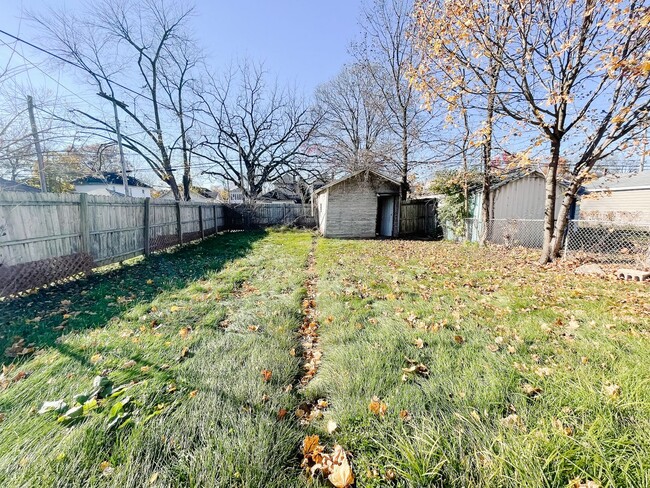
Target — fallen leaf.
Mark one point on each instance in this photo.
(341, 475)
(612, 391)
(282, 413)
(377, 407)
(459, 339)
(175, 308)
(56, 406)
(266, 375)
(193, 393)
(184, 332)
(95, 358)
(419, 343)
(530, 390)
(331, 426)
(310, 445)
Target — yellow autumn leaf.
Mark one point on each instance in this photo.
(377, 407)
(95, 358)
(341, 475)
(174, 308)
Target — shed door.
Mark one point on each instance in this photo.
(386, 214)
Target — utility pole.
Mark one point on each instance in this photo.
(119, 139)
(37, 143)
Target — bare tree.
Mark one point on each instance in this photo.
(451, 67)
(353, 131)
(254, 132)
(123, 46)
(387, 54)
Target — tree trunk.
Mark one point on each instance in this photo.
(487, 160)
(549, 206)
(564, 214)
(171, 181)
(405, 164)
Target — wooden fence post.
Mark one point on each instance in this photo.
(201, 221)
(216, 227)
(179, 223)
(147, 226)
(84, 225)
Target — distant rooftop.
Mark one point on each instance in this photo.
(109, 178)
(8, 185)
(621, 181)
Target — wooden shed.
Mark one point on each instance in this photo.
(363, 205)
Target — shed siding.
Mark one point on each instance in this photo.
(352, 206)
(522, 199)
(619, 206)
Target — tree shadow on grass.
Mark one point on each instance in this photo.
(42, 317)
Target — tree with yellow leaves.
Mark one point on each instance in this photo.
(577, 71)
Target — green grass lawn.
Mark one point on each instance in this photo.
(533, 377)
(488, 370)
(203, 417)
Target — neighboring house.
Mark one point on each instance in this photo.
(516, 207)
(620, 198)
(364, 204)
(8, 185)
(111, 184)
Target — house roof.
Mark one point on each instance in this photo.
(109, 178)
(281, 194)
(353, 175)
(621, 182)
(8, 185)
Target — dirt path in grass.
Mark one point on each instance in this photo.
(317, 460)
(309, 342)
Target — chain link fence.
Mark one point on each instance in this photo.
(594, 241)
(607, 242)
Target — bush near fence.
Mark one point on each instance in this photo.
(49, 237)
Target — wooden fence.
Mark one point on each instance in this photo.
(267, 214)
(48, 237)
(418, 218)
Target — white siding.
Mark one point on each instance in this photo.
(105, 190)
(619, 206)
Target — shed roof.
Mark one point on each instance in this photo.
(519, 173)
(353, 175)
(620, 182)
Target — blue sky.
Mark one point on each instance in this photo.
(303, 42)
